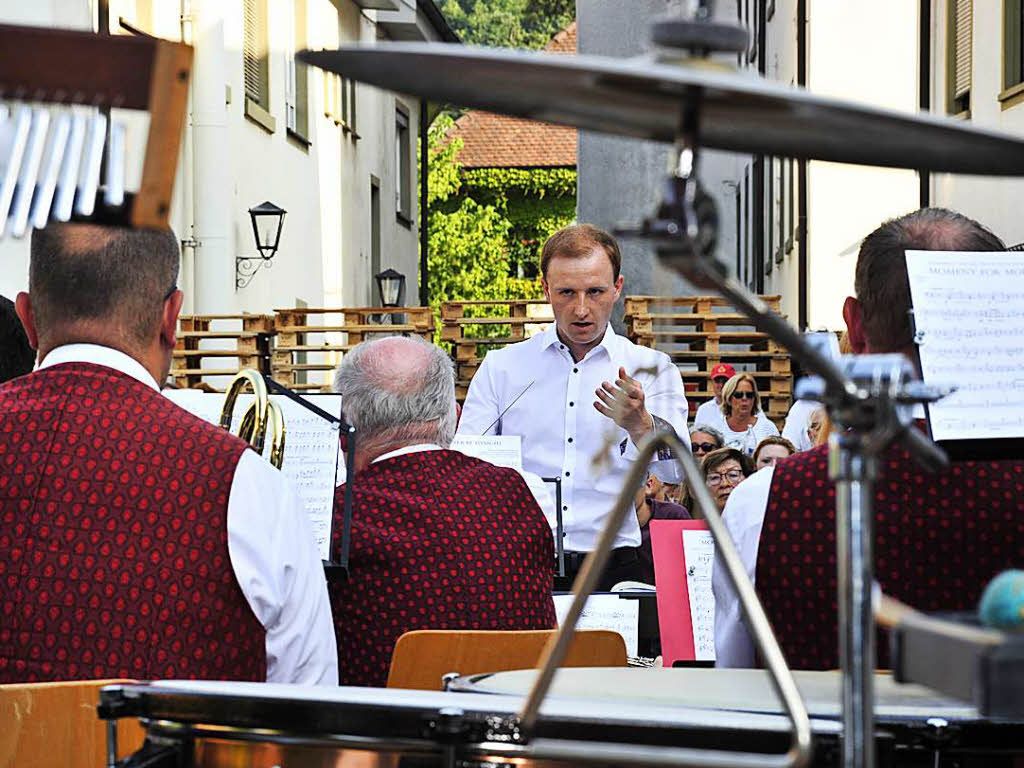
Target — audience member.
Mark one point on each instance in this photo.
(647, 509)
(704, 439)
(138, 540)
(440, 540)
(932, 550)
(710, 412)
(723, 470)
(771, 450)
(745, 422)
(797, 421)
(16, 355)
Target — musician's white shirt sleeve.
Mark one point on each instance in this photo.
(276, 563)
(743, 516)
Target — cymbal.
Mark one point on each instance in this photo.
(644, 98)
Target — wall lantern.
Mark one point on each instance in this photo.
(267, 222)
(391, 285)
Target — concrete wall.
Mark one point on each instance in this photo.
(995, 202)
(230, 163)
(620, 179)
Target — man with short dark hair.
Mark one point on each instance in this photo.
(581, 397)
(939, 537)
(136, 540)
(440, 540)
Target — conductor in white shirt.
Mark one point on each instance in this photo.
(196, 550)
(558, 391)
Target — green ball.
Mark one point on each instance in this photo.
(1002, 604)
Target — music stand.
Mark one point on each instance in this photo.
(559, 528)
(331, 568)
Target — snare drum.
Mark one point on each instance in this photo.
(914, 725)
(253, 725)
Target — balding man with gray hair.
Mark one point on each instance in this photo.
(440, 540)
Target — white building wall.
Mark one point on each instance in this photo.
(230, 163)
(845, 202)
(995, 202)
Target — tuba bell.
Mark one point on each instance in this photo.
(262, 415)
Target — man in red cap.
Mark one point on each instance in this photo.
(710, 413)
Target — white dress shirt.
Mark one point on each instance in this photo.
(271, 547)
(744, 515)
(710, 414)
(534, 389)
(795, 428)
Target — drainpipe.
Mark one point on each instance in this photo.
(424, 218)
(214, 267)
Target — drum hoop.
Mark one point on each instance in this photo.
(178, 730)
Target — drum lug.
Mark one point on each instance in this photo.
(450, 729)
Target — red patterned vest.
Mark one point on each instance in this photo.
(440, 540)
(113, 535)
(939, 539)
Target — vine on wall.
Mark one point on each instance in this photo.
(487, 227)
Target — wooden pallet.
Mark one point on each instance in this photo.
(462, 321)
(228, 343)
(309, 341)
(699, 332)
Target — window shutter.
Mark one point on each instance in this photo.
(962, 51)
(251, 52)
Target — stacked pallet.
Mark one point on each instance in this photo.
(462, 323)
(698, 332)
(213, 347)
(310, 341)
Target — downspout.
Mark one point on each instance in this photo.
(801, 80)
(424, 215)
(187, 280)
(924, 76)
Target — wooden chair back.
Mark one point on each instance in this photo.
(54, 725)
(421, 658)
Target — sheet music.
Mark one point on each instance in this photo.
(969, 317)
(606, 612)
(311, 448)
(699, 554)
(502, 450)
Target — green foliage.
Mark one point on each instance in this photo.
(486, 228)
(508, 23)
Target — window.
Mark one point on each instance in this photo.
(256, 64)
(780, 208)
(374, 237)
(296, 83)
(403, 165)
(1013, 60)
(958, 75)
(340, 102)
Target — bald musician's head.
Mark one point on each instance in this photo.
(397, 391)
(878, 320)
(104, 285)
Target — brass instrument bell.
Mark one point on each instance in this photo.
(261, 415)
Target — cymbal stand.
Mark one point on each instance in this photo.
(866, 396)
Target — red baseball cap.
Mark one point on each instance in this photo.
(722, 369)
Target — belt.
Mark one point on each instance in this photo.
(617, 557)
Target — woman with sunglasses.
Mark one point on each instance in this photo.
(745, 423)
(723, 470)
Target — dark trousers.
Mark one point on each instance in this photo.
(623, 565)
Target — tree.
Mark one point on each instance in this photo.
(508, 23)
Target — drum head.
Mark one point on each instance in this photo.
(722, 690)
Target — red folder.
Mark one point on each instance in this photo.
(674, 622)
